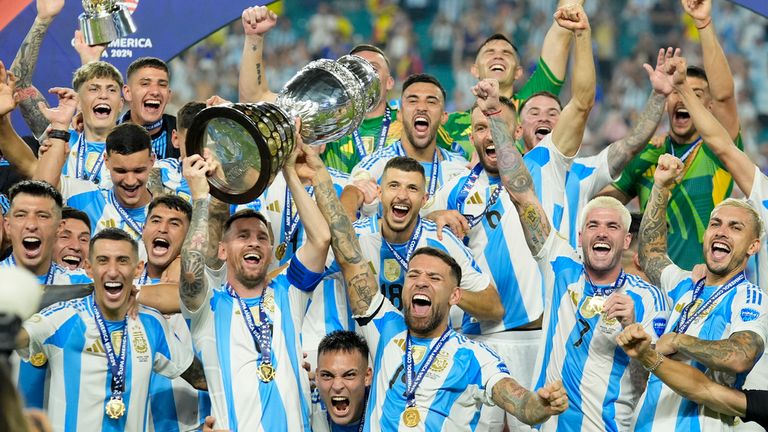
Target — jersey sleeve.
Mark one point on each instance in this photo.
(542, 79)
(555, 256)
(204, 313)
(170, 357)
(71, 186)
(759, 196)
(599, 178)
(492, 370)
(652, 312)
(671, 278)
(379, 323)
(472, 278)
(748, 311)
(42, 329)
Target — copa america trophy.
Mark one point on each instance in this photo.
(253, 140)
(104, 21)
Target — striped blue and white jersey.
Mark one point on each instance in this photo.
(80, 385)
(101, 206)
(172, 179)
(595, 371)
(94, 158)
(56, 274)
(660, 408)
(758, 197)
(458, 382)
(585, 179)
(240, 400)
(392, 275)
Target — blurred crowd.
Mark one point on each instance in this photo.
(441, 37)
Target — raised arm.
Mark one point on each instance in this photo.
(314, 251)
(514, 175)
(87, 53)
(527, 406)
(13, 148)
(715, 135)
(557, 44)
(53, 151)
(361, 284)
(569, 130)
(625, 149)
(25, 62)
(685, 380)
(252, 83)
(719, 76)
(192, 284)
(652, 249)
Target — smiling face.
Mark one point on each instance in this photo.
(422, 113)
(72, 238)
(342, 377)
(147, 92)
(603, 240)
(402, 196)
(483, 141)
(100, 102)
(681, 125)
(247, 249)
(428, 294)
(163, 235)
(130, 174)
(113, 265)
(497, 59)
(31, 224)
(537, 119)
(729, 241)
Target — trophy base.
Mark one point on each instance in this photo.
(106, 27)
(250, 141)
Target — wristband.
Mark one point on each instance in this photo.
(59, 134)
(493, 113)
(656, 364)
(709, 21)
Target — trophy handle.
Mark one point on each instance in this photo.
(195, 144)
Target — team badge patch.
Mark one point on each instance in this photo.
(659, 325)
(391, 270)
(748, 314)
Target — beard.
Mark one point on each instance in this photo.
(424, 325)
(412, 140)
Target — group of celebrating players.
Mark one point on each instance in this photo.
(430, 271)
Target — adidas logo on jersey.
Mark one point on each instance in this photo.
(274, 206)
(475, 198)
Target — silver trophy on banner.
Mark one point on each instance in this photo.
(253, 140)
(104, 21)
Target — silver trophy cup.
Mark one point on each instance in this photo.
(104, 21)
(252, 141)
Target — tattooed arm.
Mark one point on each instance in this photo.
(192, 284)
(527, 406)
(625, 149)
(195, 375)
(652, 249)
(361, 284)
(218, 213)
(257, 21)
(737, 354)
(24, 65)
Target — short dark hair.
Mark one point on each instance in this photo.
(405, 163)
(423, 78)
(345, 341)
(36, 188)
(696, 72)
(498, 36)
(127, 139)
(507, 102)
(544, 93)
(113, 234)
(186, 113)
(247, 214)
(370, 48)
(72, 213)
(443, 256)
(142, 62)
(173, 202)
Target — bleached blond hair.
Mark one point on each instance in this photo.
(606, 202)
(759, 229)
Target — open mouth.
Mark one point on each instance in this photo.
(720, 250)
(682, 114)
(601, 248)
(340, 404)
(400, 211)
(71, 261)
(420, 304)
(252, 258)
(113, 289)
(130, 191)
(542, 131)
(160, 246)
(152, 106)
(102, 110)
(421, 124)
(490, 151)
(498, 67)
(31, 243)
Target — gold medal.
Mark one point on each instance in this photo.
(592, 306)
(115, 408)
(280, 251)
(266, 372)
(38, 359)
(411, 417)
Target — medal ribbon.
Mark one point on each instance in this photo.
(144, 278)
(687, 152)
(261, 334)
(433, 175)
(412, 382)
(686, 320)
(409, 249)
(135, 226)
(80, 171)
(291, 221)
(116, 362)
(473, 220)
(48, 277)
(154, 125)
(382, 135)
(618, 283)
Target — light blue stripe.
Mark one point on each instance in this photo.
(73, 331)
(223, 328)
